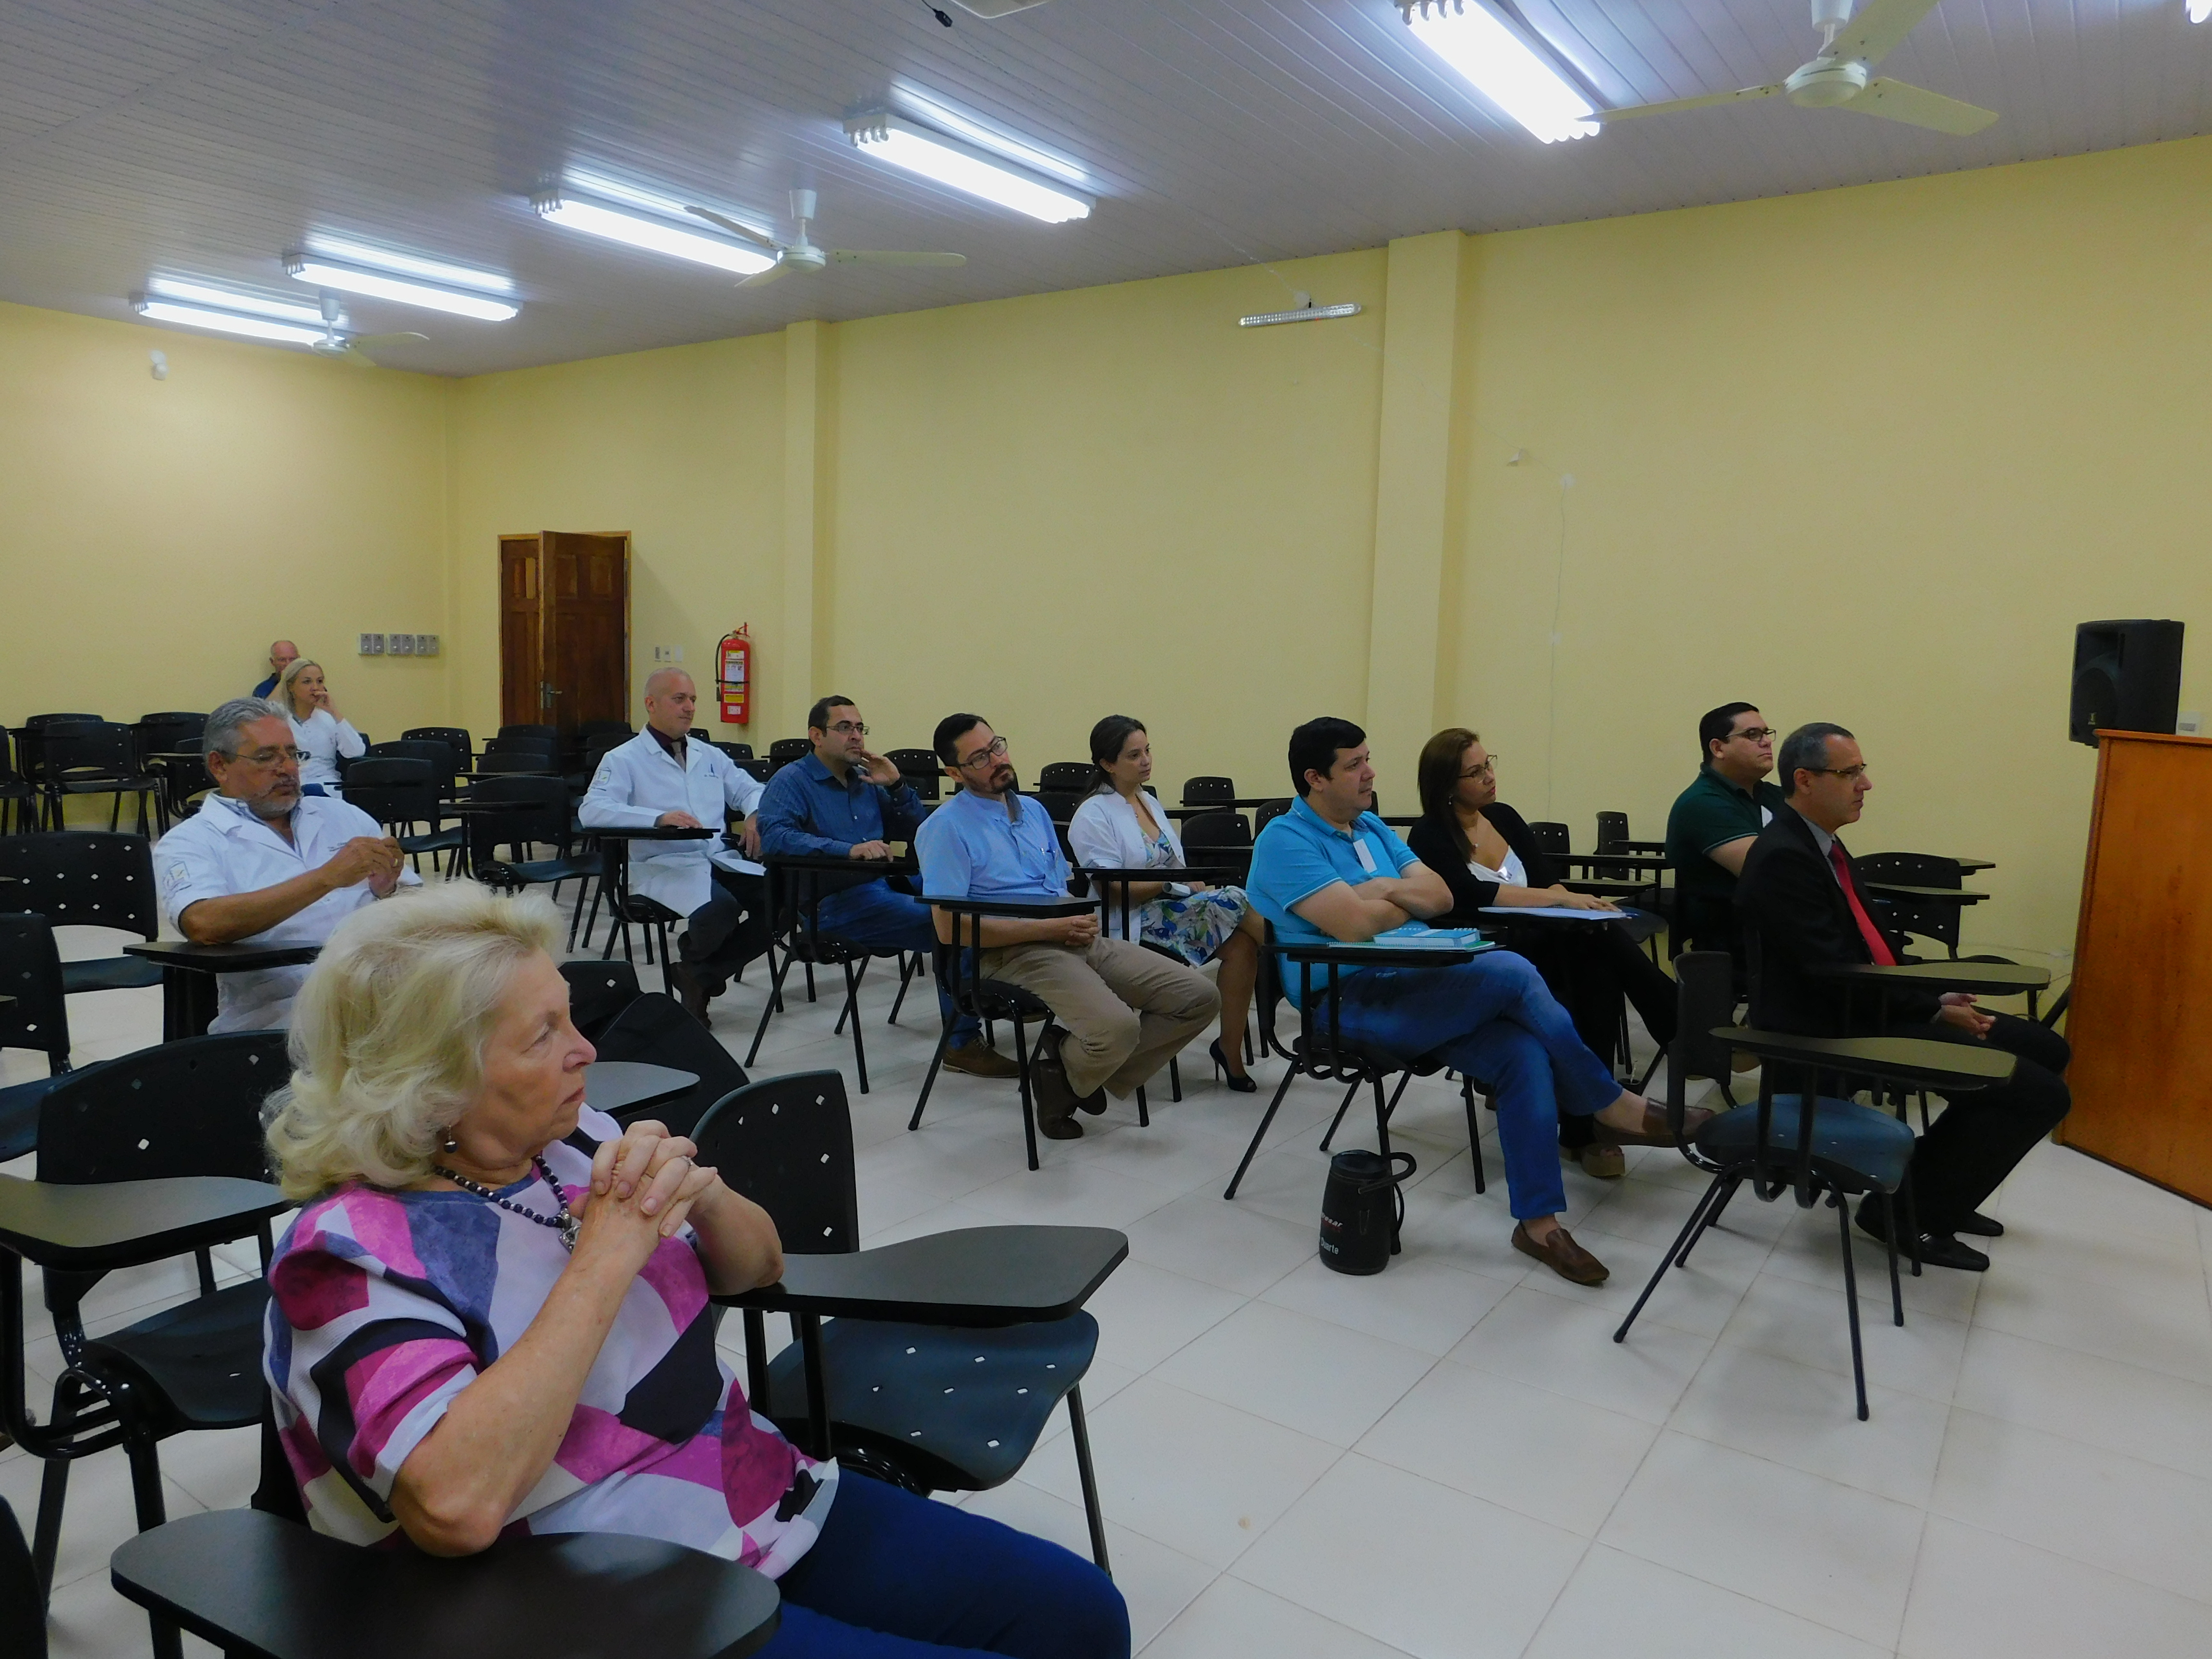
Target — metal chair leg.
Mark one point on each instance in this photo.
(928, 1082)
(853, 978)
(1675, 1253)
(776, 971)
(1852, 1298)
(1473, 1131)
(1343, 1106)
(1029, 1103)
(1889, 1238)
(1260, 1134)
(1078, 1432)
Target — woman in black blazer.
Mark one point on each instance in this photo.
(1487, 856)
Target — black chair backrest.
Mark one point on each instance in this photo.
(1612, 830)
(539, 763)
(784, 751)
(762, 767)
(31, 973)
(523, 744)
(919, 767)
(540, 814)
(1203, 792)
(394, 789)
(82, 878)
(1934, 919)
(99, 747)
(1060, 805)
(1551, 838)
(655, 1029)
(736, 751)
(22, 1600)
(187, 1108)
(589, 730)
(1704, 997)
(550, 733)
(786, 1143)
(443, 762)
(1075, 776)
(40, 722)
(454, 737)
(1268, 812)
(597, 991)
(1222, 830)
(170, 734)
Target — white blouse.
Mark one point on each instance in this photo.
(1514, 874)
(1106, 836)
(324, 737)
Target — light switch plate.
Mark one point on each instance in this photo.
(426, 645)
(372, 645)
(403, 644)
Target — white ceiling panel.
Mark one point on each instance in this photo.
(205, 137)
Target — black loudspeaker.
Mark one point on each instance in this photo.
(2127, 677)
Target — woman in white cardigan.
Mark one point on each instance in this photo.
(322, 733)
(1120, 826)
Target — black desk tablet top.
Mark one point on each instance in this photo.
(1375, 953)
(1924, 895)
(116, 1222)
(973, 1276)
(624, 1085)
(652, 832)
(1625, 859)
(1995, 979)
(258, 1585)
(1904, 1060)
(239, 958)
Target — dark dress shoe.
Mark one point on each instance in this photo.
(1562, 1255)
(1060, 1128)
(1242, 1085)
(693, 989)
(1049, 1066)
(979, 1058)
(1654, 1131)
(1982, 1226)
(1934, 1249)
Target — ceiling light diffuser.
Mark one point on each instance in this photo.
(561, 206)
(408, 264)
(2199, 11)
(257, 328)
(1305, 314)
(965, 166)
(315, 269)
(230, 301)
(1501, 66)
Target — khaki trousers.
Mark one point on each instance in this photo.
(1126, 1009)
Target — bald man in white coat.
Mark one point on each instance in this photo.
(668, 777)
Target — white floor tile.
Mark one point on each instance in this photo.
(87, 1619)
(1223, 1244)
(1414, 1563)
(1827, 1552)
(1537, 1453)
(1548, 1343)
(2137, 1327)
(1699, 1296)
(1809, 1323)
(2144, 1414)
(1979, 1595)
(1620, 1605)
(98, 1514)
(1421, 1300)
(1302, 1372)
(1146, 1313)
(1232, 1619)
(1068, 1194)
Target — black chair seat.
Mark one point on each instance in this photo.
(18, 1115)
(1852, 1145)
(110, 974)
(954, 1410)
(577, 867)
(441, 841)
(654, 1028)
(204, 1356)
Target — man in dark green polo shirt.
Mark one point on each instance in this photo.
(1716, 818)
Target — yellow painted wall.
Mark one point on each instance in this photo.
(1864, 456)
(155, 535)
(682, 448)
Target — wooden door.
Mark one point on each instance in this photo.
(587, 628)
(521, 631)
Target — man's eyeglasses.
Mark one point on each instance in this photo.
(1846, 772)
(272, 757)
(850, 728)
(996, 751)
(1754, 733)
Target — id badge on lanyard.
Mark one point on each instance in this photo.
(1366, 858)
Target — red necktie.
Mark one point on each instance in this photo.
(1877, 947)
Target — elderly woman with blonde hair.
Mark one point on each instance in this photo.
(492, 1314)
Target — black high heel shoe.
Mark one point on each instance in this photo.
(1242, 1085)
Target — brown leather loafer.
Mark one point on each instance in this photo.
(979, 1058)
(1654, 1131)
(1562, 1255)
(693, 989)
(1601, 1160)
(1060, 1128)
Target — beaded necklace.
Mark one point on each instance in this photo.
(564, 1224)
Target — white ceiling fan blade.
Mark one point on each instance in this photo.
(1895, 101)
(368, 342)
(1879, 30)
(744, 232)
(775, 272)
(1676, 106)
(845, 256)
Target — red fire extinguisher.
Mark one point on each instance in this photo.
(734, 677)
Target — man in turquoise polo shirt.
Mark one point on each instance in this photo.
(1714, 821)
(1125, 1009)
(1330, 870)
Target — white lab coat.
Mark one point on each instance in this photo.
(325, 737)
(638, 782)
(1106, 836)
(223, 850)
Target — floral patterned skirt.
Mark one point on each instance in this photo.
(1192, 926)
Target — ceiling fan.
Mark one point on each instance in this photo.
(354, 348)
(1841, 76)
(802, 255)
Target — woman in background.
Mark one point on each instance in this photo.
(322, 733)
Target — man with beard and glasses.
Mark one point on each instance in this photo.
(1126, 1010)
(260, 863)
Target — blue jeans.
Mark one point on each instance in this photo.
(875, 912)
(897, 1576)
(1493, 1020)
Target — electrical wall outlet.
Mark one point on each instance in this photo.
(2189, 724)
(426, 645)
(668, 654)
(372, 645)
(403, 644)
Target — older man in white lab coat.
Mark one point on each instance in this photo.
(664, 776)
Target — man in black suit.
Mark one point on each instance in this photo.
(1801, 906)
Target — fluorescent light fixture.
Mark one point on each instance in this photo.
(352, 279)
(409, 264)
(258, 328)
(964, 167)
(559, 205)
(1502, 66)
(1301, 314)
(932, 113)
(230, 301)
(2199, 11)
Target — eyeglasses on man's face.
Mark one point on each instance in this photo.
(1849, 774)
(268, 758)
(996, 751)
(850, 729)
(1755, 733)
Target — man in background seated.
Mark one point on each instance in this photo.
(1125, 1009)
(843, 801)
(260, 863)
(281, 655)
(1802, 907)
(667, 777)
(1714, 821)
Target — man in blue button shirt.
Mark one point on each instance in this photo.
(1330, 870)
(1126, 1009)
(844, 802)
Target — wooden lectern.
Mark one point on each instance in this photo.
(2140, 1019)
